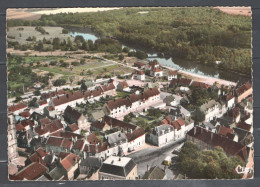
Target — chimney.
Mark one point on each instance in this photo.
(84, 155)
(195, 130)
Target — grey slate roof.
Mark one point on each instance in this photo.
(116, 138)
(98, 114)
(208, 124)
(91, 162)
(208, 105)
(118, 170)
(154, 173)
(244, 137)
(164, 128)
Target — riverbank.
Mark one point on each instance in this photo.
(203, 78)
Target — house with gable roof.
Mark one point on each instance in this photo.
(172, 75)
(243, 92)
(73, 116)
(138, 75)
(118, 168)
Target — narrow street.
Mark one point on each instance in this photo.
(154, 156)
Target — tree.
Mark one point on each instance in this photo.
(59, 82)
(141, 55)
(37, 92)
(64, 64)
(121, 57)
(128, 118)
(79, 38)
(198, 116)
(53, 63)
(18, 99)
(82, 61)
(125, 49)
(83, 86)
(56, 43)
(208, 164)
(32, 103)
(155, 113)
(75, 63)
(85, 46)
(65, 31)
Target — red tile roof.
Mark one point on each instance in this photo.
(54, 141)
(95, 148)
(32, 171)
(200, 84)
(224, 131)
(118, 123)
(108, 87)
(41, 152)
(25, 123)
(45, 121)
(25, 114)
(181, 82)
(52, 94)
(124, 84)
(93, 93)
(234, 112)
(19, 106)
(157, 70)
(164, 121)
(62, 155)
(41, 131)
(52, 127)
(73, 127)
(68, 97)
(67, 143)
(172, 72)
(112, 104)
(72, 113)
(243, 88)
(92, 139)
(227, 97)
(79, 145)
(215, 140)
(135, 134)
(98, 125)
(50, 108)
(139, 64)
(69, 161)
(19, 127)
(243, 125)
(153, 63)
(37, 157)
(42, 102)
(178, 123)
(66, 134)
(139, 73)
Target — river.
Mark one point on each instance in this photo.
(181, 64)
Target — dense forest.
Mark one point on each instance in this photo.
(207, 164)
(201, 35)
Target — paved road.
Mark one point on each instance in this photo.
(154, 157)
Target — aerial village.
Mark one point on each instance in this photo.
(126, 128)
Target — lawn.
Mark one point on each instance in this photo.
(32, 59)
(122, 94)
(57, 70)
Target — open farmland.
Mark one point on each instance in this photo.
(91, 69)
(20, 36)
